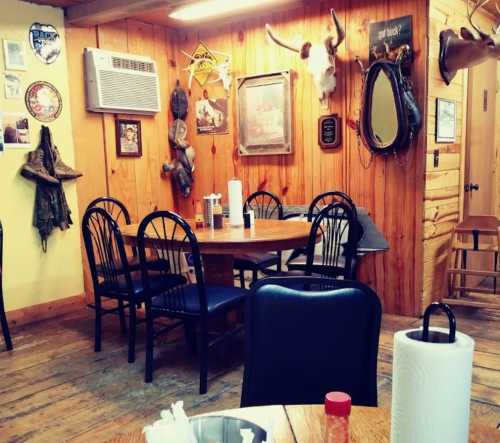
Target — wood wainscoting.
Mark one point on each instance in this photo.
(45, 311)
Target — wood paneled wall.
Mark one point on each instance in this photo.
(443, 203)
(391, 189)
(135, 181)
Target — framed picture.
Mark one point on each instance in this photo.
(16, 130)
(211, 116)
(14, 55)
(128, 138)
(264, 114)
(446, 123)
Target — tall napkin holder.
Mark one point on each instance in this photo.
(432, 372)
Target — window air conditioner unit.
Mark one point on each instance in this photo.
(121, 83)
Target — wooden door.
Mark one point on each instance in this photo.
(480, 157)
(480, 147)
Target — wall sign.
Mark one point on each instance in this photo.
(45, 42)
(389, 35)
(329, 131)
(43, 101)
(201, 65)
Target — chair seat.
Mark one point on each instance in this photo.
(256, 260)
(134, 264)
(219, 298)
(160, 282)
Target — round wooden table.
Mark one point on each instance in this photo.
(219, 245)
(304, 424)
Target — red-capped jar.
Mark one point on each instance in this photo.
(337, 411)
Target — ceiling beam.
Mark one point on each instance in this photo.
(102, 11)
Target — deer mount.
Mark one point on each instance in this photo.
(457, 53)
(320, 59)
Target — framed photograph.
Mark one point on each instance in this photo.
(16, 131)
(446, 122)
(14, 55)
(128, 138)
(264, 114)
(12, 86)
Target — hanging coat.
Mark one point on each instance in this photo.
(45, 166)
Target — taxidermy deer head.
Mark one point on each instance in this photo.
(320, 59)
(472, 49)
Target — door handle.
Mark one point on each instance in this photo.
(469, 187)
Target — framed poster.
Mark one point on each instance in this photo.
(211, 116)
(445, 121)
(128, 138)
(264, 114)
(14, 53)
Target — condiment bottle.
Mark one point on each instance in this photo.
(198, 215)
(218, 216)
(337, 411)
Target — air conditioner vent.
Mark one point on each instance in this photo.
(132, 65)
(121, 83)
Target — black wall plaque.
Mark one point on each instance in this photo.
(329, 131)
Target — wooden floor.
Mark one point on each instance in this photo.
(54, 388)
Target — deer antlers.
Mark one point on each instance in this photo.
(303, 50)
(496, 29)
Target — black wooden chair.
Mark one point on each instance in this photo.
(340, 234)
(3, 318)
(265, 206)
(168, 236)
(302, 344)
(112, 276)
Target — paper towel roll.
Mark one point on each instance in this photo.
(234, 192)
(431, 389)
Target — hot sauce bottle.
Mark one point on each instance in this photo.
(198, 215)
(337, 411)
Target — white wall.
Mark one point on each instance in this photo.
(30, 276)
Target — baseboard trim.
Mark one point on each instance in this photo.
(44, 311)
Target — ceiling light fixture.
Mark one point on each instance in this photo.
(211, 8)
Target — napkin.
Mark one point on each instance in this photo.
(173, 426)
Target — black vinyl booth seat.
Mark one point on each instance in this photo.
(265, 206)
(3, 318)
(167, 236)
(302, 344)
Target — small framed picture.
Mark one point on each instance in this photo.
(128, 138)
(446, 121)
(14, 55)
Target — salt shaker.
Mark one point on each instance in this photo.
(337, 411)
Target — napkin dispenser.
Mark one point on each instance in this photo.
(432, 372)
(209, 202)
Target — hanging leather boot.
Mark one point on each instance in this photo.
(62, 170)
(34, 169)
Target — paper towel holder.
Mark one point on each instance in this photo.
(436, 336)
